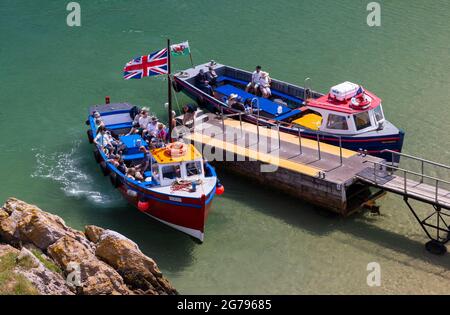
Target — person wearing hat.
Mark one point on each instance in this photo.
(232, 99)
(254, 84)
(152, 126)
(264, 84)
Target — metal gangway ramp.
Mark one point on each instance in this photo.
(416, 185)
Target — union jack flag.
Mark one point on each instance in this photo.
(146, 66)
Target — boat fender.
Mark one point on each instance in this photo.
(131, 193)
(97, 156)
(104, 168)
(220, 189)
(143, 206)
(115, 181)
(90, 136)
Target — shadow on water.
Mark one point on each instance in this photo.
(321, 222)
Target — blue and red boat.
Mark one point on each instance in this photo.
(348, 115)
(178, 187)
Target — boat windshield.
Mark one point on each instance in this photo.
(362, 120)
(337, 122)
(379, 116)
(170, 172)
(193, 168)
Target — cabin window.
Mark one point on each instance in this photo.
(171, 171)
(337, 122)
(193, 168)
(378, 113)
(362, 120)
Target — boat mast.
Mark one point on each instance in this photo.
(169, 91)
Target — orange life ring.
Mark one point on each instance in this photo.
(176, 149)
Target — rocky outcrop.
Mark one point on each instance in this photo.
(96, 277)
(53, 258)
(137, 270)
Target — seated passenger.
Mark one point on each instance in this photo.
(145, 161)
(134, 174)
(114, 160)
(202, 82)
(97, 115)
(231, 99)
(140, 124)
(152, 127)
(248, 107)
(98, 123)
(161, 135)
(264, 84)
(122, 166)
(211, 76)
(253, 86)
(102, 139)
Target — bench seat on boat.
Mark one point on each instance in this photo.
(265, 104)
(130, 157)
(119, 126)
(224, 78)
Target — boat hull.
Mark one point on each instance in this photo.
(187, 216)
(373, 145)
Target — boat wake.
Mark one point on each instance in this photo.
(70, 170)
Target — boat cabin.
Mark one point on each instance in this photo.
(177, 161)
(346, 109)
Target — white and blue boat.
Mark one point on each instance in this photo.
(348, 115)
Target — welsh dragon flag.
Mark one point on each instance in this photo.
(181, 49)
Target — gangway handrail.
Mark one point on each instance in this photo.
(422, 161)
(405, 171)
(409, 172)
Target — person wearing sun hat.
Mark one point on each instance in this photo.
(264, 84)
(231, 99)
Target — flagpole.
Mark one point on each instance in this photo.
(190, 56)
(169, 92)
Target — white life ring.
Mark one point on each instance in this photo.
(357, 103)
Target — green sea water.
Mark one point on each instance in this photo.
(257, 240)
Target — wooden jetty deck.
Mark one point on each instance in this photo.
(317, 172)
(325, 175)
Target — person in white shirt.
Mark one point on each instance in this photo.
(254, 84)
(152, 127)
(144, 119)
(140, 122)
(264, 84)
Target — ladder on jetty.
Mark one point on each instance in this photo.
(416, 185)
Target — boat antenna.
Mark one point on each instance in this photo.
(169, 91)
